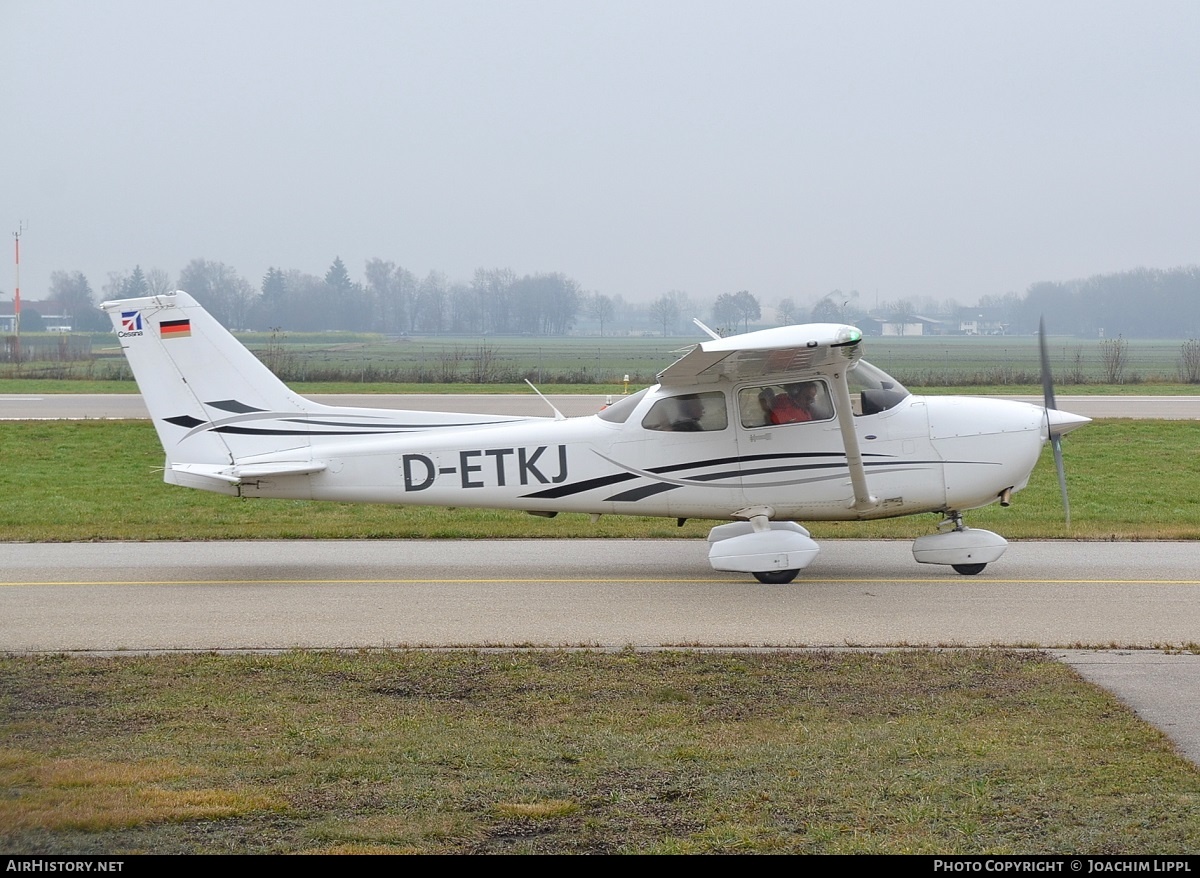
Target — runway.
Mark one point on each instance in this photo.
(583, 593)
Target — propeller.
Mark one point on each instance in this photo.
(1055, 438)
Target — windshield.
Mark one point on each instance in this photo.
(619, 411)
(872, 390)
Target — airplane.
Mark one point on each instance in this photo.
(701, 443)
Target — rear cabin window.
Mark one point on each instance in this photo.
(688, 413)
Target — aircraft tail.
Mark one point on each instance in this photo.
(222, 416)
(192, 372)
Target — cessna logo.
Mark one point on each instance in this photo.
(131, 324)
(489, 466)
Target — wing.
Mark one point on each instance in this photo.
(815, 348)
(807, 347)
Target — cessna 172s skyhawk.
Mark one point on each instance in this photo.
(760, 430)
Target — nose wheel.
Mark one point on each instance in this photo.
(776, 577)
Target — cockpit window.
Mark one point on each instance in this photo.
(872, 390)
(688, 413)
(619, 411)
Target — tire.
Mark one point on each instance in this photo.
(776, 577)
(968, 569)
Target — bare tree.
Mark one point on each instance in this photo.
(1189, 361)
(220, 289)
(159, 282)
(835, 307)
(786, 312)
(1114, 354)
(683, 303)
(494, 288)
(747, 308)
(600, 307)
(901, 313)
(828, 308)
(72, 294)
(432, 302)
(391, 289)
(665, 311)
(725, 313)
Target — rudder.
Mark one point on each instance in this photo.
(192, 371)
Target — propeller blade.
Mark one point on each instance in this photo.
(1047, 375)
(1055, 441)
(1056, 444)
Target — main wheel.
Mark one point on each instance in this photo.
(968, 569)
(776, 577)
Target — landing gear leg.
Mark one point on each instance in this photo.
(966, 550)
(953, 522)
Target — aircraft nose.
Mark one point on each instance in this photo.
(1064, 422)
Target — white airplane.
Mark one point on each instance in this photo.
(704, 442)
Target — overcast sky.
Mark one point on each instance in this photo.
(906, 149)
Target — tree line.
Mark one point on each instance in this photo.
(1143, 303)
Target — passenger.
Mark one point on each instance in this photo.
(796, 405)
(689, 411)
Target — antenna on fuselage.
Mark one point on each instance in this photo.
(558, 416)
(711, 333)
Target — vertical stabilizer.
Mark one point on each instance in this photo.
(198, 381)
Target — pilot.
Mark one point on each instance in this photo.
(796, 405)
(689, 410)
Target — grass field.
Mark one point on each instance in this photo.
(918, 752)
(970, 752)
(102, 480)
(930, 361)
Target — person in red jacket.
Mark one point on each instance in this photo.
(796, 405)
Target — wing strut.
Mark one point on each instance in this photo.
(863, 498)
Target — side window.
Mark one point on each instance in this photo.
(755, 404)
(791, 403)
(688, 413)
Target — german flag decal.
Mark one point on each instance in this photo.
(175, 329)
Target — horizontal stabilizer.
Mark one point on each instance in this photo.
(238, 473)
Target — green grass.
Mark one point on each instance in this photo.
(102, 480)
(921, 752)
(918, 362)
(559, 752)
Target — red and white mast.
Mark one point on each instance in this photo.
(17, 289)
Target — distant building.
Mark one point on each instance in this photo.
(913, 327)
(983, 321)
(51, 321)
